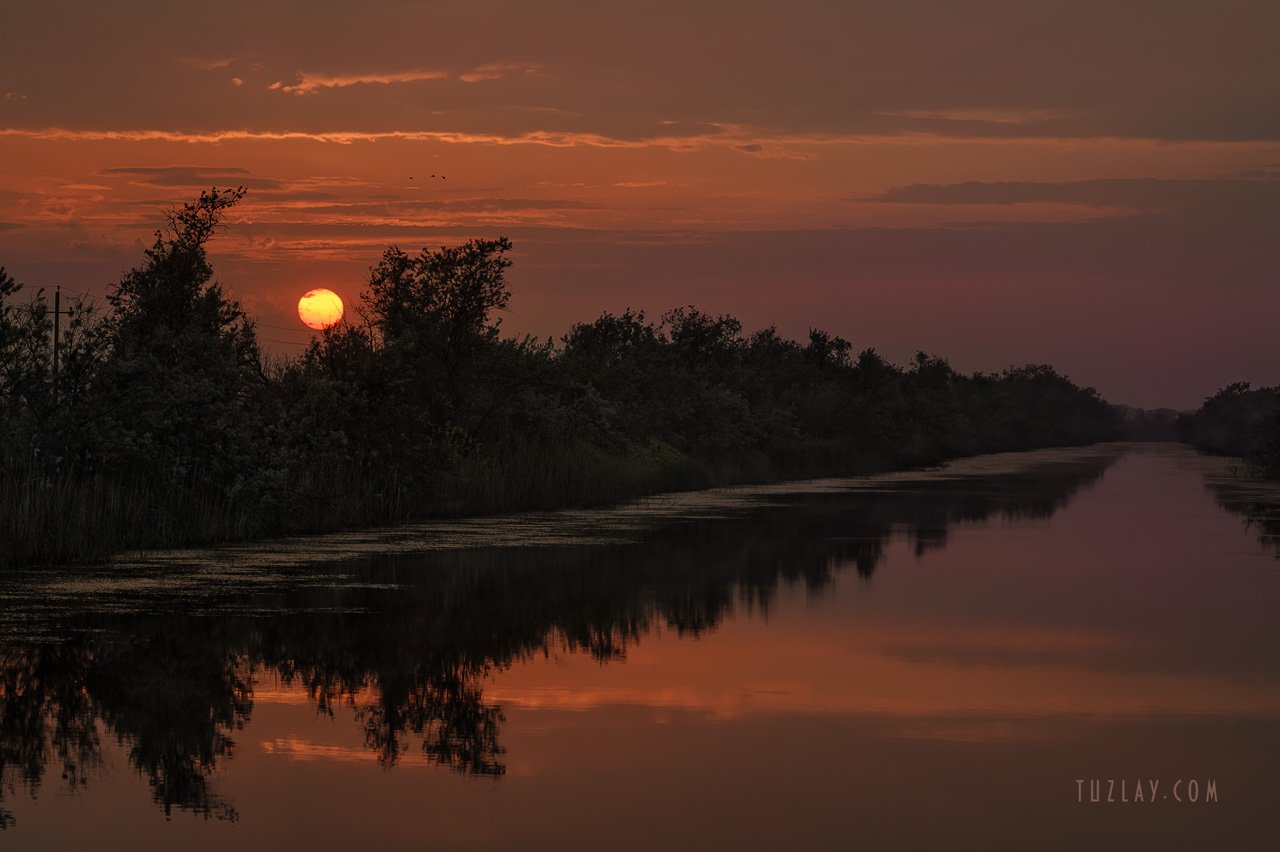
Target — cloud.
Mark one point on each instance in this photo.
(758, 149)
(369, 209)
(208, 64)
(13, 96)
(1259, 192)
(62, 209)
(686, 137)
(498, 70)
(994, 69)
(311, 83)
(681, 137)
(986, 115)
(191, 176)
(151, 171)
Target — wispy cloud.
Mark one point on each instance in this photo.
(1262, 191)
(498, 70)
(722, 136)
(310, 83)
(365, 210)
(207, 63)
(153, 171)
(13, 96)
(986, 115)
(190, 176)
(773, 151)
(727, 138)
(691, 138)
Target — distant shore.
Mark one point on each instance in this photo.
(611, 485)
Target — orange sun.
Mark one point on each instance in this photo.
(320, 308)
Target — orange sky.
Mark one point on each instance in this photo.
(997, 182)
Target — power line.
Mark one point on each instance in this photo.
(97, 300)
(277, 327)
(85, 293)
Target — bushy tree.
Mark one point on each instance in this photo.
(24, 357)
(40, 412)
(176, 395)
(1238, 420)
(439, 309)
(414, 388)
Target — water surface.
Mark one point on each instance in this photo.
(896, 662)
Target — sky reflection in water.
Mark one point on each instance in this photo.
(808, 665)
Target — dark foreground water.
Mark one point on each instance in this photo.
(964, 658)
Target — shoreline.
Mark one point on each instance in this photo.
(602, 523)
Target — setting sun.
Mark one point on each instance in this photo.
(320, 308)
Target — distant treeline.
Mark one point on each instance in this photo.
(166, 424)
(1239, 420)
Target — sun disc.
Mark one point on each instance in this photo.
(320, 308)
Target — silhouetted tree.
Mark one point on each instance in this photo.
(1238, 420)
(176, 394)
(24, 360)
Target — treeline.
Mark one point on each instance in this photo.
(166, 425)
(1239, 420)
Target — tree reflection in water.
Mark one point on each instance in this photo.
(407, 642)
(1256, 501)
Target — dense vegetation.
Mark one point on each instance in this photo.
(166, 425)
(1239, 420)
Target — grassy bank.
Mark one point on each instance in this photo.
(66, 516)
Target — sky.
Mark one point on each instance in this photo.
(1094, 185)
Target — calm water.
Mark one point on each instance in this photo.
(918, 661)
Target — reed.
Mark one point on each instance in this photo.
(71, 515)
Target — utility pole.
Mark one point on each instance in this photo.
(57, 330)
(58, 313)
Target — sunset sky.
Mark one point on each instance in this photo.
(1092, 185)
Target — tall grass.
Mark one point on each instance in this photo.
(71, 515)
(66, 515)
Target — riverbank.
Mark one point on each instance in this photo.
(69, 520)
(1239, 421)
